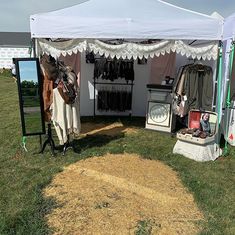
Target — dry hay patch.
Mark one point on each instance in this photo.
(113, 194)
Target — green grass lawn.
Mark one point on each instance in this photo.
(33, 122)
(31, 101)
(24, 175)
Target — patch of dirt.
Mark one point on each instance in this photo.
(104, 129)
(116, 194)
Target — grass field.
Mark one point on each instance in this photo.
(30, 101)
(24, 175)
(33, 122)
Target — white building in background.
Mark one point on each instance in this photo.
(13, 45)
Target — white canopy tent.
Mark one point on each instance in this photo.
(129, 19)
(228, 38)
(88, 25)
(92, 21)
(229, 27)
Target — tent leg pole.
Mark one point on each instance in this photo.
(218, 98)
(34, 47)
(228, 100)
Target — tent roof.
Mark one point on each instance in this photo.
(130, 19)
(229, 27)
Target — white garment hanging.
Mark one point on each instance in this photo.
(65, 117)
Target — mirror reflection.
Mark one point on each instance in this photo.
(30, 97)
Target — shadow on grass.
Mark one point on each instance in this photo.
(107, 120)
(91, 141)
(47, 206)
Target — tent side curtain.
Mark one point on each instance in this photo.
(129, 50)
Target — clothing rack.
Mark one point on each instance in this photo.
(202, 99)
(113, 84)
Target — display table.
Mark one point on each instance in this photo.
(200, 153)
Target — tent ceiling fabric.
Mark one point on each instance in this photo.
(130, 50)
(130, 19)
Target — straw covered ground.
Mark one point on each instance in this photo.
(121, 194)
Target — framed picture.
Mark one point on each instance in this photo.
(30, 96)
(159, 113)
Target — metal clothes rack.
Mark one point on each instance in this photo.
(110, 83)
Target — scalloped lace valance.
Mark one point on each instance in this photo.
(56, 49)
(130, 50)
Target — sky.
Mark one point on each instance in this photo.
(14, 14)
(28, 71)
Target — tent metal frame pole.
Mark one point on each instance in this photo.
(228, 99)
(218, 89)
(215, 85)
(34, 47)
(94, 98)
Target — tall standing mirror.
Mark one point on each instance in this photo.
(30, 96)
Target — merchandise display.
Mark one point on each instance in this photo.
(61, 98)
(159, 114)
(201, 127)
(112, 69)
(198, 141)
(193, 89)
(113, 94)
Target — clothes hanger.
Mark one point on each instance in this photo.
(200, 65)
